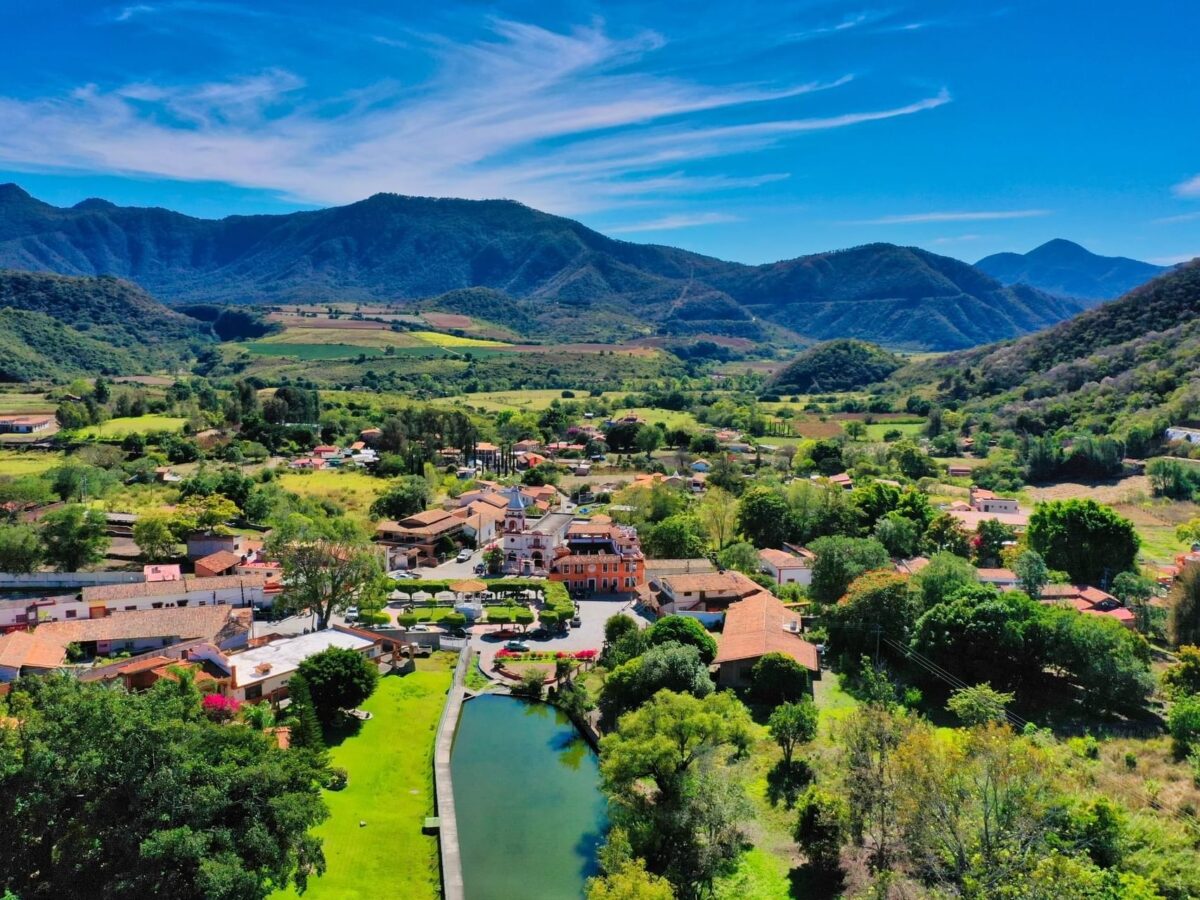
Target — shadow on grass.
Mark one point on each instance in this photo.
(810, 884)
(341, 728)
(784, 783)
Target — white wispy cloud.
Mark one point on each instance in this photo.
(969, 216)
(1174, 259)
(566, 121)
(1189, 188)
(846, 23)
(682, 220)
(956, 239)
(1175, 220)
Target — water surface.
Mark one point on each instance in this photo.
(530, 811)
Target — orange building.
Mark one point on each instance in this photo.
(599, 557)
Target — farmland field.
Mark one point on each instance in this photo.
(25, 403)
(120, 427)
(17, 464)
(438, 339)
(494, 401)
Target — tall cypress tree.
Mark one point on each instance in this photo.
(306, 727)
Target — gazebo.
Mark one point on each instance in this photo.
(468, 592)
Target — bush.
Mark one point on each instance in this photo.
(777, 678)
(822, 827)
(337, 779)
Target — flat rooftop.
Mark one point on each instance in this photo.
(286, 654)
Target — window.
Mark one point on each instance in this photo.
(254, 692)
(71, 613)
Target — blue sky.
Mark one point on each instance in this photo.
(747, 131)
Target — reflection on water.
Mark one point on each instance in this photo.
(530, 811)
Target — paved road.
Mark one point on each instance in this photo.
(588, 636)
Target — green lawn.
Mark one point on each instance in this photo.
(876, 430)
(390, 763)
(120, 427)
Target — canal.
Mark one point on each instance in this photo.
(527, 791)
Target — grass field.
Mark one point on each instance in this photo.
(390, 764)
(17, 464)
(351, 490)
(670, 418)
(362, 337)
(876, 430)
(117, 428)
(534, 401)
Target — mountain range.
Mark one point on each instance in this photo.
(563, 279)
(1063, 267)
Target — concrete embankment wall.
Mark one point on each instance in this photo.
(443, 785)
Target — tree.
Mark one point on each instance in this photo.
(1183, 723)
(305, 726)
(791, 724)
(989, 540)
(680, 817)
(1183, 677)
(1032, 573)
(493, 558)
(127, 803)
(683, 630)
(629, 882)
(839, 560)
(1183, 614)
(764, 517)
(324, 566)
(877, 605)
(74, 537)
(676, 537)
(777, 678)
(718, 513)
(405, 496)
(338, 678)
(1088, 541)
(203, 513)
(1135, 590)
(898, 535)
(648, 440)
(741, 557)
(946, 533)
(672, 667)
(822, 827)
(152, 533)
(945, 576)
(20, 549)
(979, 704)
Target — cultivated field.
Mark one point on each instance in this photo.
(15, 464)
(120, 427)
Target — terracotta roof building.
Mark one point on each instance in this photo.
(26, 653)
(758, 625)
(220, 563)
(151, 629)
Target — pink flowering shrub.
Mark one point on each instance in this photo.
(219, 708)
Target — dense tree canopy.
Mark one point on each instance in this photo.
(105, 794)
(1088, 541)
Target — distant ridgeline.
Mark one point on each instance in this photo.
(542, 276)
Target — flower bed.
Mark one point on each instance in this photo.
(546, 655)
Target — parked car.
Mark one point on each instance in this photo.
(516, 646)
(463, 555)
(351, 613)
(420, 626)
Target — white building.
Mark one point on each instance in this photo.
(788, 567)
(263, 672)
(529, 547)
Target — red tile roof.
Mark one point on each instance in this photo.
(221, 561)
(754, 627)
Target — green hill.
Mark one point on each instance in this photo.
(843, 365)
(574, 281)
(1133, 363)
(55, 326)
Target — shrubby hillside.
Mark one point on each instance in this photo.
(51, 325)
(836, 366)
